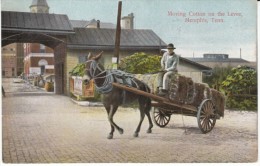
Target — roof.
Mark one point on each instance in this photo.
(91, 38)
(203, 67)
(85, 23)
(218, 60)
(35, 22)
(79, 23)
(39, 3)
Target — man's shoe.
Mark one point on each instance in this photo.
(162, 92)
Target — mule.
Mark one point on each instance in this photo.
(114, 97)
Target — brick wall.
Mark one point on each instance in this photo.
(35, 61)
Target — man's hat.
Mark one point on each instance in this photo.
(170, 46)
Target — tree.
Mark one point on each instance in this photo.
(219, 74)
(240, 86)
(141, 63)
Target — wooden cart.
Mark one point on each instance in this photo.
(206, 113)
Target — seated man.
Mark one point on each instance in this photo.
(169, 63)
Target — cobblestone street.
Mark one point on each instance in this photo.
(41, 127)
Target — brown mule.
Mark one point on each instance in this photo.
(114, 97)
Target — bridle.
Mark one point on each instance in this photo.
(94, 67)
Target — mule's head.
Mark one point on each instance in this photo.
(92, 67)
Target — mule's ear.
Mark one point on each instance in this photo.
(90, 56)
(97, 57)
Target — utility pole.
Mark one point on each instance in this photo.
(118, 32)
(240, 54)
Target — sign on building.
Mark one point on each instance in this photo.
(78, 85)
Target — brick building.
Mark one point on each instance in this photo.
(38, 59)
(12, 60)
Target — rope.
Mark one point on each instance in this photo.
(109, 77)
(185, 130)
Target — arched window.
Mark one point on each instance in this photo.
(43, 62)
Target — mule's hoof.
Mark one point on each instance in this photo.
(110, 136)
(149, 131)
(135, 134)
(121, 131)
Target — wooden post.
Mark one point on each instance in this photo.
(118, 32)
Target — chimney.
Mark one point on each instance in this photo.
(127, 22)
(98, 24)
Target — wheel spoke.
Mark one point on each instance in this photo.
(202, 116)
(161, 120)
(156, 115)
(203, 123)
(210, 123)
(160, 117)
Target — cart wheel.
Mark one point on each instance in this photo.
(206, 116)
(160, 118)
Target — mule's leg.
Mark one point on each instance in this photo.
(145, 107)
(112, 111)
(110, 135)
(147, 112)
(140, 123)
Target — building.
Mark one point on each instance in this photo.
(9, 62)
(38, 58)
(221, 60)
(192, 69)
(12, 60)
(72, 45)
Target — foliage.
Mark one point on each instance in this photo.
(141, 63)
(219, 74)
(78, 70)
(240, 86)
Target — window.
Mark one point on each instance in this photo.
(82, 59)
(42, 48)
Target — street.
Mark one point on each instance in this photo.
(41, 127)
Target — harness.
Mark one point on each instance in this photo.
(110, 77)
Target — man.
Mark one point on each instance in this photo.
(169, 63)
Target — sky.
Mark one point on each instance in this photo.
(195, 27)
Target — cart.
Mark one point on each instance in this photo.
(163, 108)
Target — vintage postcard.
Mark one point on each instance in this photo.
(130, 81)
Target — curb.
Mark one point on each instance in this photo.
(87, 103)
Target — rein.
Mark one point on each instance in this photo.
(107, 84)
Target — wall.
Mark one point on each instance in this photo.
(60, 52)
(73, 58)
(35, 61)
(190, 70)
(71, 62)
(9, 62)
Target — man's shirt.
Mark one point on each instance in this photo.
(169, 62)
